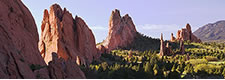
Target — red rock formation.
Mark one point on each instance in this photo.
(182, 49)
(121, 32)
(168, 49)
(19, 40)
(61, 69)
(164, 50)
(186, 34)
(66, 36)
(172, 38)
(101, 49)
(162, 46)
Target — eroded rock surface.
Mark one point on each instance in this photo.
(19, 42)
(164, 50)
(186, 34)
(121, 32)
(61, 69)
(66, 36)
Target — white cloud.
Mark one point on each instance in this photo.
(98, 28)
(158, 27)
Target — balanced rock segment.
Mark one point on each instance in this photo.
(69, 38)
(19, 42)
(185, 34)
(121, 33)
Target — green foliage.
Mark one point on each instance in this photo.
(209, 68)
(197, 61)
(174, 75)
(141, 60)
(143, 43)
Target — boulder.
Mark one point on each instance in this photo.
(121, 32)
(66, 36)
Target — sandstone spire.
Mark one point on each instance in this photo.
(172, 38)
(162, 46)
(182, 49)
(164, 50)
(66, 36)
(121, 32)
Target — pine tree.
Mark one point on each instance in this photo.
(147, 67)
(223, 72)
(155, 68)
(173, 68)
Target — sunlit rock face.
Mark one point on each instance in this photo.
(66, 36)
(121, 32)
(186, 34)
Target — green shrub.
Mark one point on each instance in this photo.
(210, 58)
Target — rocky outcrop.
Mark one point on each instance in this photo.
(168, 49)
(19, 42)
(162, 46)
(66, 36)
(121, 32)
(182, 50)
(186, 34)
(61, 69)
(172, 38)
(101, 49)
(164, 50)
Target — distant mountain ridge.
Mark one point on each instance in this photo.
(212, 31)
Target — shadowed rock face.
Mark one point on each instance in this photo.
(19, 42)
(61, 69)
(185, 34)
(66, 36)
(121, 32)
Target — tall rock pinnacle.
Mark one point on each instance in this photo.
(66, 36)
(162, 46)
(121, 32)
(164, 50)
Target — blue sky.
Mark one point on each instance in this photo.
(151, 17)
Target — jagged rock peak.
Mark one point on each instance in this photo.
(188, 27)
(161, 37)
(186, 34)
(172, 38)
(66, 36)
(121, 32)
